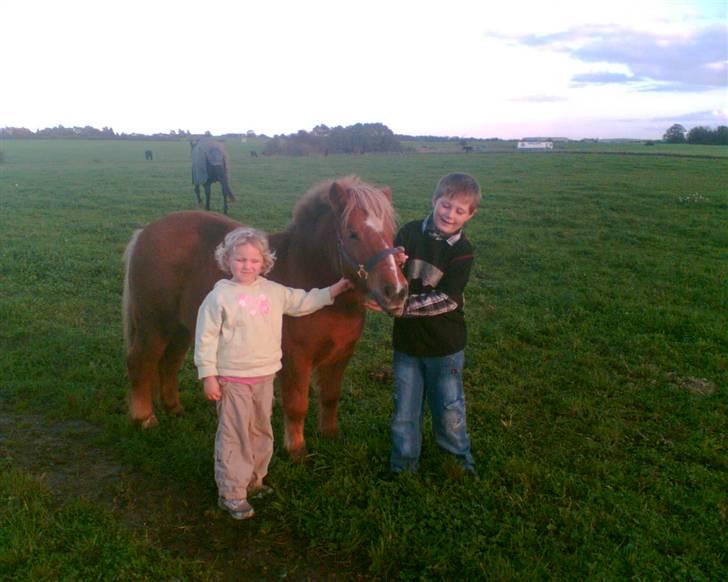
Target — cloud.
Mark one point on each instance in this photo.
(674, 88)
(603, 78)
(697, 60)
(718, 117)
(539, 99)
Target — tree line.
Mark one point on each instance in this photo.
(87, 132)
(697, 135)
(359, 138)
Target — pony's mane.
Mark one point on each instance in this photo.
(315, 202)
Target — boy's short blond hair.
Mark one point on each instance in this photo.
(244, 235)
(457, 185)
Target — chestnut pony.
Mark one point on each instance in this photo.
(339, 227)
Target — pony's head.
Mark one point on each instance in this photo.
(365, 234)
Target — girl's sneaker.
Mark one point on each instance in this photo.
(237, 508)
(256, 492)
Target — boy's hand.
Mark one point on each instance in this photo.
(401, 257)
(212, 388)
(340, 286)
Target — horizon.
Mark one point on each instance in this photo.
(621, 70)
(237, 134)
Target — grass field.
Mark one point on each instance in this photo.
(596, 373)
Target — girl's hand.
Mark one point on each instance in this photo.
(212, 388)
(340, 286)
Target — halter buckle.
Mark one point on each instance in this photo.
(362, 272)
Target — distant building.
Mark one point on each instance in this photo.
(535, 145)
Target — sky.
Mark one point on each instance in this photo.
(478, 69)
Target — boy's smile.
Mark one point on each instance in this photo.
(450, 214)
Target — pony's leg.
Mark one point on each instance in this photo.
(197, 194)
(295, 377)
(329, 380)
(207, 195)
(142, 363)
(224, 203)
(169, 366)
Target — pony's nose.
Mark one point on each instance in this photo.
(393, 294)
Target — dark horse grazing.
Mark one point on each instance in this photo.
(210, 164)
(345, 226)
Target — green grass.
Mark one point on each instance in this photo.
(38, 541)
(599, 299)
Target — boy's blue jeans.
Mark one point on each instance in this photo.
(440, 382)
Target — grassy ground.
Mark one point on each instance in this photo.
(596, 372)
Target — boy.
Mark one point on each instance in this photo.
(429, 338)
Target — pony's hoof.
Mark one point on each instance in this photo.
(149, 422)
(176, 410)
(298, 456)
(329, 433)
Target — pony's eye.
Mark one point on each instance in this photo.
(353, 236)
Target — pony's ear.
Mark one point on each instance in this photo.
(387, 191)
(338, 197)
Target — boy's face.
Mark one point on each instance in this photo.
(451, 214)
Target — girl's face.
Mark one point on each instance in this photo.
(246, 263)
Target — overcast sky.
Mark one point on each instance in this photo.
(505, 69)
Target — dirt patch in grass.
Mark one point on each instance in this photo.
(697, 386)
(182, 521)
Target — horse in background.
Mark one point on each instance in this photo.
(210, 163)
(339, 227)
(148, 155)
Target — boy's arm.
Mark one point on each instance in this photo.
(429, 304)
(443, 298)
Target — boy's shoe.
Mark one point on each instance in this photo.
(471, 473)
(256, 492)
(237, 508)
(395, 475)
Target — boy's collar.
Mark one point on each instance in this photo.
(429, 228)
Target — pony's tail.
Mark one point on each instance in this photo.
(126, 303)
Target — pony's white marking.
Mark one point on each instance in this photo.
(376, 224)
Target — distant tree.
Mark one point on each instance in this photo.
(721, 135)
(675, 134)
(354, 139)
(700, 135)
(321, 130)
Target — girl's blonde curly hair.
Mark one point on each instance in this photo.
(244, 235)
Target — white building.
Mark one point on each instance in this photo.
(535, 145)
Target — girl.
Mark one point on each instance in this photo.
(238, 352)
